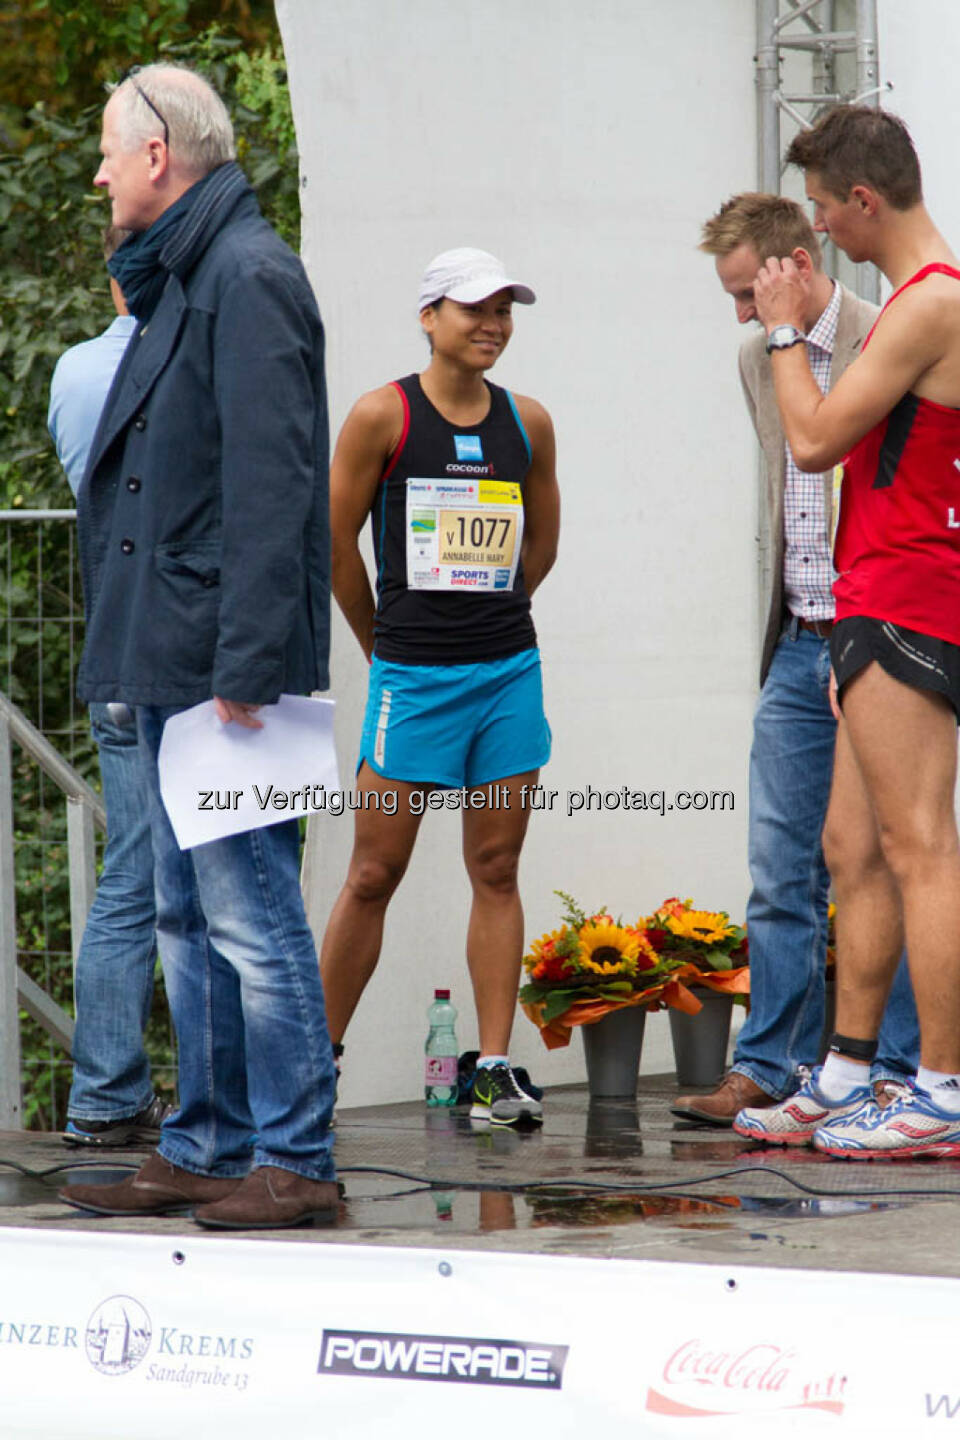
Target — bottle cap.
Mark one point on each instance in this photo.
(441, 994)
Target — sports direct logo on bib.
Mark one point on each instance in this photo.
(463, 534)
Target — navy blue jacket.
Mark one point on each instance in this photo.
(204, 514)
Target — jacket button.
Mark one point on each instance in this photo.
(127, 546)
(133, 484)
(140, 423)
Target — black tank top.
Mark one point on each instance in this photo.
(485, 617)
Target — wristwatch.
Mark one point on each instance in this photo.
(782, 337)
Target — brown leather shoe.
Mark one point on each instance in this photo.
(720, 1106)
(158, 1188)
(271, 1198)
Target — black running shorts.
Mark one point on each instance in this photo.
(922, 661)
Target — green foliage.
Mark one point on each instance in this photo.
(64, 51)
(90, 33)
(53, 291)
(573, 915)
(262, 88)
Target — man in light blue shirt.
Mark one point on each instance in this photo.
(112, 1104)
(79, 387)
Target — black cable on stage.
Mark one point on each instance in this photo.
(68, 1165)
(561, 1189)
(571, 1189)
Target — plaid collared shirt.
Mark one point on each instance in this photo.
(808, 572)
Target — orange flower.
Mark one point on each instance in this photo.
(552, 968)
(647, 956)
(673, 906)
(544, 949)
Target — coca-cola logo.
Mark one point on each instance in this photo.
(759, 1367)
(748, 1378)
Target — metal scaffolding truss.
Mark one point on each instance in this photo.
(810, 27)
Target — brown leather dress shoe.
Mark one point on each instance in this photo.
(720, 1106)
(158, 1188)
(271, 1198)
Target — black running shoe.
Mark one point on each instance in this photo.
(126, 1134)
(498, 1098)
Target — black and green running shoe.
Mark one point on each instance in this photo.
(498, 1098)
(132, 1133)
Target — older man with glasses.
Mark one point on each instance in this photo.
(204, 539)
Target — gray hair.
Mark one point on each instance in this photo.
(201, 134)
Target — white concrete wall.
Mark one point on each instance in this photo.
(919, 47)
(585, 145)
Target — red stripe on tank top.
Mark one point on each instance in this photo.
(935, 269)
(403, 434)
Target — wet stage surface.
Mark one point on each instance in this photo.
(602, 1178)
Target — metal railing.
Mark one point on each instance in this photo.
(43, 732)
(47, 809)
(51, 820)
(41, 597)
(83, 812)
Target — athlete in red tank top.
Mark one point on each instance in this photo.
(890, 837)
(898, 540)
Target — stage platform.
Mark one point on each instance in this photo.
(601, 1179)
(617, 1272)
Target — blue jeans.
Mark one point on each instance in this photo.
(115, 963)
(791, 766)
(256, 1075)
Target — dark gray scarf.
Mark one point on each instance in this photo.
(176, 240)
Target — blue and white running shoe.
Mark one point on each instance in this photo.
(797, 1119)
(913, 1128)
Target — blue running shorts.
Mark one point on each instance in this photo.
(455, 726)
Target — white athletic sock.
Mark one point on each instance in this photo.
(942, 1087)
(485, 1061)
(841, 1075)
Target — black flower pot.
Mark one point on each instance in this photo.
(612, 1048)
(700, 1041)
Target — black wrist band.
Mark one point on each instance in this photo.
(853, 1049)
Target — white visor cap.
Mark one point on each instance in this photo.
(468, 275)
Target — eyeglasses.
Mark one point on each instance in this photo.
(129, 75)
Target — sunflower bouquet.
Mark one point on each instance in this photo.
(707, 939)
(593, 964)
(590, 957)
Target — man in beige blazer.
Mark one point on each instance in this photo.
(791, 760)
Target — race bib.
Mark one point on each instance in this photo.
(463, 534)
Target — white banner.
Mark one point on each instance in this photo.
(121, 1337)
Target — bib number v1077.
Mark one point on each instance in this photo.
(463, 534)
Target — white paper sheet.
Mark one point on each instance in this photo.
(218, 780)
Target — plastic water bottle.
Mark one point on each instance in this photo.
(443, 1203)
(440, 1052)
